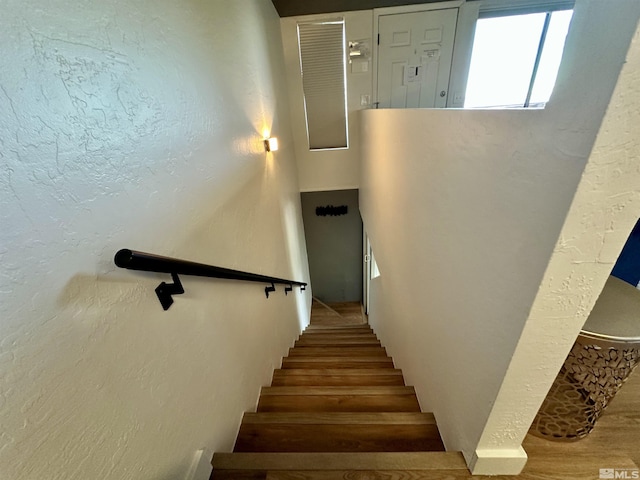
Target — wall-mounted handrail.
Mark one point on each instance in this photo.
(148, 262)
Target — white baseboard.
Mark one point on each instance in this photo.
(200, 466)
(497, 461)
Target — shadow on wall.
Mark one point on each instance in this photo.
(87, 293)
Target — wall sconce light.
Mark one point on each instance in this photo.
(271, 144)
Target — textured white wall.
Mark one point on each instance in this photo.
(139, 125)
(603, 212)
(463, 210)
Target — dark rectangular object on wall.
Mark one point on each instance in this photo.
(332, 211)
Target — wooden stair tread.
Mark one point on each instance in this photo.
(351, 391)
(281, 378)
(344, 351)
(342, 418)
(338, 399)
(357, 332)
(338, 334)
(368, 475)
(337, 362)
(340, 461)
(338, 327)
(346, 332)
(325, 342)
(328, 437)
(341, 334)
(321, 358)
(292, 372)
(339, 403)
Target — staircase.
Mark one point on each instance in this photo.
(338, 409)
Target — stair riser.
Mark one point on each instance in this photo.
(339, 371)
(337, 418)
(310, 363)
(441, 461)
(338, 403)
(351, 333)
(337, 438)
(353, 351)
(305, 342)
(336, 380)
(242, 474)
(339, 328)
(338, 336)
(339, 331)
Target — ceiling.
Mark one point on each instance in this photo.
(290, 8)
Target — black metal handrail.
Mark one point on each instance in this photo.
(148, 262)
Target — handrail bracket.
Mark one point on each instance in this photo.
(267, 290)
(165, 291)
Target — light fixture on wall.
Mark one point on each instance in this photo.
(271, 144)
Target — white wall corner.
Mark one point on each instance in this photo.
(200, 466)
(493, 461)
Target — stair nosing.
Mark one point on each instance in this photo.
(339, 343)
(345, 333)
(376, 358)
(339, 328)
(340, 418)
(347, 349)
(338, 372)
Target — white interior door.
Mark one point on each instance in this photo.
(414, 58)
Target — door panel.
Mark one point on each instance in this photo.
(414, 58)
(398, 93)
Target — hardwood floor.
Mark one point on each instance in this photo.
(615, 438)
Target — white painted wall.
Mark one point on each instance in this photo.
(327, 169)
(464, 210)
(602, 214)
(139, 125)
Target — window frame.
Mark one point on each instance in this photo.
(497, 8)
(344, 56)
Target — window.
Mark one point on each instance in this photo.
(515, 59)
(323, 66)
